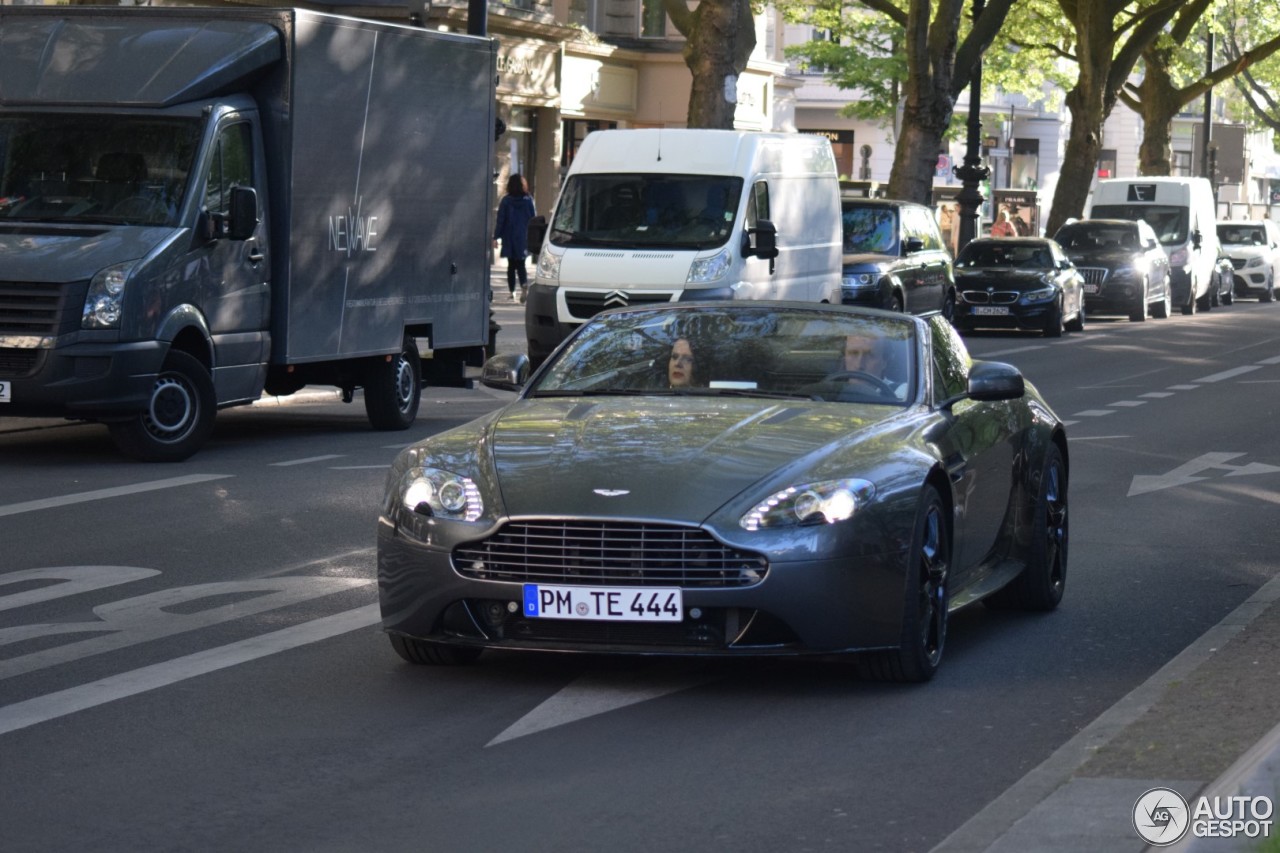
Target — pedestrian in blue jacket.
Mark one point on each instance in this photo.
(514, 212)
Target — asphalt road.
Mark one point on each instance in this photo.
(189, 654)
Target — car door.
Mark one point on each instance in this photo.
(977, 446)
(923, 273)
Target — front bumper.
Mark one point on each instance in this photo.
(85, 380)
(818, 605)
(1024, 317)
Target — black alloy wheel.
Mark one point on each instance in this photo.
(1040, 585)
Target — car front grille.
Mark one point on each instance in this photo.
(585, 305)
(1093, 275)
(999, 297)
(1238, 263)
(608, 553)
(40, 309)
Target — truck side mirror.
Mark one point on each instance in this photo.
(1196, 239)
(244, 213)
(536, 234)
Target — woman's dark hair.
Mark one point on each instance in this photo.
(515, 185)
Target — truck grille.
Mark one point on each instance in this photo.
(615, 553)
(39, 308)
(586, 305)
(1093, 275)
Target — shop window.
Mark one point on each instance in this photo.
(1024, 167)
(576, 130)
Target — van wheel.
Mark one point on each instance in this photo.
(179, 415)
(393, 389)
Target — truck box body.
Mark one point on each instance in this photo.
(124, 134)
(651, 215)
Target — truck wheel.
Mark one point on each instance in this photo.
(179, 415)
(392, 389)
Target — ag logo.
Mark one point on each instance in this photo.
(1161, 817)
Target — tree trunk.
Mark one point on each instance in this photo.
(1079, 161)
(916, 156)
(1159, 101)
(719, 37)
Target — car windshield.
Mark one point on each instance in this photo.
(1001, 253)
(656, 211)
(737, 351)
(123, 169)
(1242, 234)
(869, 229)
(1169, 223)
(1095, 236)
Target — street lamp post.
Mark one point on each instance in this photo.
(972, 172)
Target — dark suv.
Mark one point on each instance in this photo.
(894, 257)
(1124, 268)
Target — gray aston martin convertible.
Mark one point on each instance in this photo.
(731, 478)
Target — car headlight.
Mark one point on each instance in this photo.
(709, 269)
(1125, 274)
(106, 294)
(443, 494)
(548, 271)
(1032, 297)
(1178, 257)
(1255, 262)
(825, 502)
(858, 279)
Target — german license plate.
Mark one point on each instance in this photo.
(991, 310)
(602, 604)
(6, 392)
(1091, 288)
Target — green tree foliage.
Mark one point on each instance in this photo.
(1259, 82)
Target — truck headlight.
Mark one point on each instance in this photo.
(548, 271)
(709, 269)
(106, 293)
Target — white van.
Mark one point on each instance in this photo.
(1182, 212)
(660, 215)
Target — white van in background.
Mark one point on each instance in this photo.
(660, 215)
(1183, 214)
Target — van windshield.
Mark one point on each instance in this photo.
(1169, 223)
(119, 169)
(652, 211)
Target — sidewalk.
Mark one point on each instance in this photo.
(1206, 724)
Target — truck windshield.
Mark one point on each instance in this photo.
(1170, 223)
(650, 211)
(125, 169)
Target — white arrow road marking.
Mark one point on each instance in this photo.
(66, 580)
(50, 503)
(1186, 474)
(306, 461)
(53, 705)
(599, 693)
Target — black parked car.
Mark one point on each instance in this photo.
(1125, 270)
(894, 257)
(1018, 283)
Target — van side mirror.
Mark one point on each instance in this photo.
(243, 219)
(536, 234)
(762, 241)
(1196, 239)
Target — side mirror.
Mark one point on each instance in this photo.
(506, 372)
(995, 380)
(536, 234)
(244, 213)
(1196, 239)
(762, 241)
(912, 245)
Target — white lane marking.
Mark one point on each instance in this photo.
(1275, 359)
(100, 494)
(20, 715)
(71, 580)
(1185, 474)
(1183, 387)
(1158, 395)
(1093, 413)
(1127, 404)
(1069, 423)
(163, 614)
(306, 461)
(1011, 351)
(1230, 374)
(598, 693)
(383, 466)
(1097, 437)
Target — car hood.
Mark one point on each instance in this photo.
(867, 260)
(1001, 279)
(1244, 253)
(1112, 258)
(672, 458)
(30, 252)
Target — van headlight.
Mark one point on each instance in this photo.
(709, 269)
(106, 293)
(548, 271)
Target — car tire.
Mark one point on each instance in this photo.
(1229, 297)
(424, 653)
(1053, 329)
(927, 599)
(1163, 309)
(1189, 308)
(949, 306)
(1041, 583)
(1268, 294)
(1139, 312)
(179, 415)
(393, 389)
(1215, 293)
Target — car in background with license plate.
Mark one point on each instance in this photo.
(893, 256)
(1254, 251)
(730, 479)
(1124, 268)
(1025, 283)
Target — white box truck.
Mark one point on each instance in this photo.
(200, 204)
(1184, 217)
(660, 215)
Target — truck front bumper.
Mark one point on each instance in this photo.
(83, 381)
